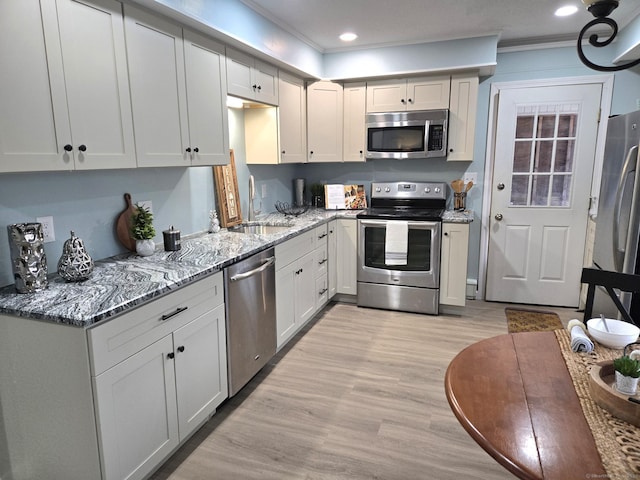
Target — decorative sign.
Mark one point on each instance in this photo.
(227, 197)
(344, 197)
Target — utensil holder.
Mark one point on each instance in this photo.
(28, 259)
(172, 241)
(459, 201)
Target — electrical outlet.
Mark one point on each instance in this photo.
(147, 204)
(470, 177)
(47, 229)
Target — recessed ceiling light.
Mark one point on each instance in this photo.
(348, 37)
(566, 11)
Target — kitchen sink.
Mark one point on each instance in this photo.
(258, 229)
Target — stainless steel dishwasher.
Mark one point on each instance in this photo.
(250, 298)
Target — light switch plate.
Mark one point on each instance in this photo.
(470, 177)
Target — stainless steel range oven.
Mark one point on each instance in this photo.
(399, 247)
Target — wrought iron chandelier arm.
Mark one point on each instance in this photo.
(595, 41)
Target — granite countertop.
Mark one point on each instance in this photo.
(457, 216)
(124, 281)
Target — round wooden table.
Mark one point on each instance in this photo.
(513, 394)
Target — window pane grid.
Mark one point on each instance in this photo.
(543, 156)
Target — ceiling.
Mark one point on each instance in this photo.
(401, 22)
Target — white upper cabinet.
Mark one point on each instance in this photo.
(292, 118)
(64, 92)
(250, 78)
(206, 100)
(462, 116)
(324, 121)
(178, 94)
(355, 95)
(424, 93)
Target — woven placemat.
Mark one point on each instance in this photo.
(523, 320)
(617, 441)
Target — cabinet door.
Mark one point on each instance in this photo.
(453, 266)
(158, 94)
(292, 118)
(332, 245)
(239, 81)
(305, 288)
(285, 303)
(462, 117)
(201, 369)
(265, 79)
(347, 256)
(206, 100)
(34, 125)
(325, 121)
(386, 96)
(322, 296)
(428, 93)
(95, 70)
(355, 95)
(136, 412)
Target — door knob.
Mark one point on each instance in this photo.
(501, 186)
(498, 216)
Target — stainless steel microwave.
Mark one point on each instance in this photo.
(416, 134)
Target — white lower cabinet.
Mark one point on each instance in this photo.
(120, 396)
(301, 281)
(154, 399)
(347, 256)
(453, 263)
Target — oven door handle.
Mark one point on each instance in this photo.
(411, 223)
(427, 124)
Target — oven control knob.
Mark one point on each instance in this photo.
(437, 189)
(378, 189)
(387, 189)
(427, 190)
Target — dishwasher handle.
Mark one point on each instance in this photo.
(267, 263)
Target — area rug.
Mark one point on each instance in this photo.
(522, 320)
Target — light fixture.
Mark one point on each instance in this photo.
(566, 11)
(348, 37)
(601, 9)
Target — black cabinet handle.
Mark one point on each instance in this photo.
(322, 236)
(402, 100)
(446, 234)
(82, 148)
(181, 348)
(451, 150)
(255, 86)
(410, 100)
(68, 147)
(283, 152)
(173, 314)
(188, 150)
(196, 149)
(170, 355)
(321, 292)
(259, 88)
(322, 261)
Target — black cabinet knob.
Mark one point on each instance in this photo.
(402, 100)
(451, 150)
(196, 149)
(410, 100)
(254, 86)
(170, 355)
(68, 147)
(283, 152)
(259, 87)
(188, 149)
(181, 348)
(82, 148)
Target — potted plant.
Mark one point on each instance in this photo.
(627, 374)
(317, 195)
(142, 230)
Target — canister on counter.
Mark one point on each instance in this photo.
(171, 239)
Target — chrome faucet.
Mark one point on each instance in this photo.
(252, 196)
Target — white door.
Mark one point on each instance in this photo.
(544, 155)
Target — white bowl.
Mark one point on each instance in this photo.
(620, 333)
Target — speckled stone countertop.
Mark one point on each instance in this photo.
(454, 216)
(125, 281)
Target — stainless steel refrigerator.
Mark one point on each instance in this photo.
(618, 220)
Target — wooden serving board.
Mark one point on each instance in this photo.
(603, 391)
(123, 224)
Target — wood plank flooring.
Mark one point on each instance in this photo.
(358, 394)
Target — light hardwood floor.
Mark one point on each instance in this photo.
(358, 394)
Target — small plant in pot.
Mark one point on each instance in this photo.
(142, 230)
(627, 374)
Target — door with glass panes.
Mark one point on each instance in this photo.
(544, 155)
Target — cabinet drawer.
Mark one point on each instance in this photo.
(322, 260)
(295, 248)
(126, 335)
(321, 234)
